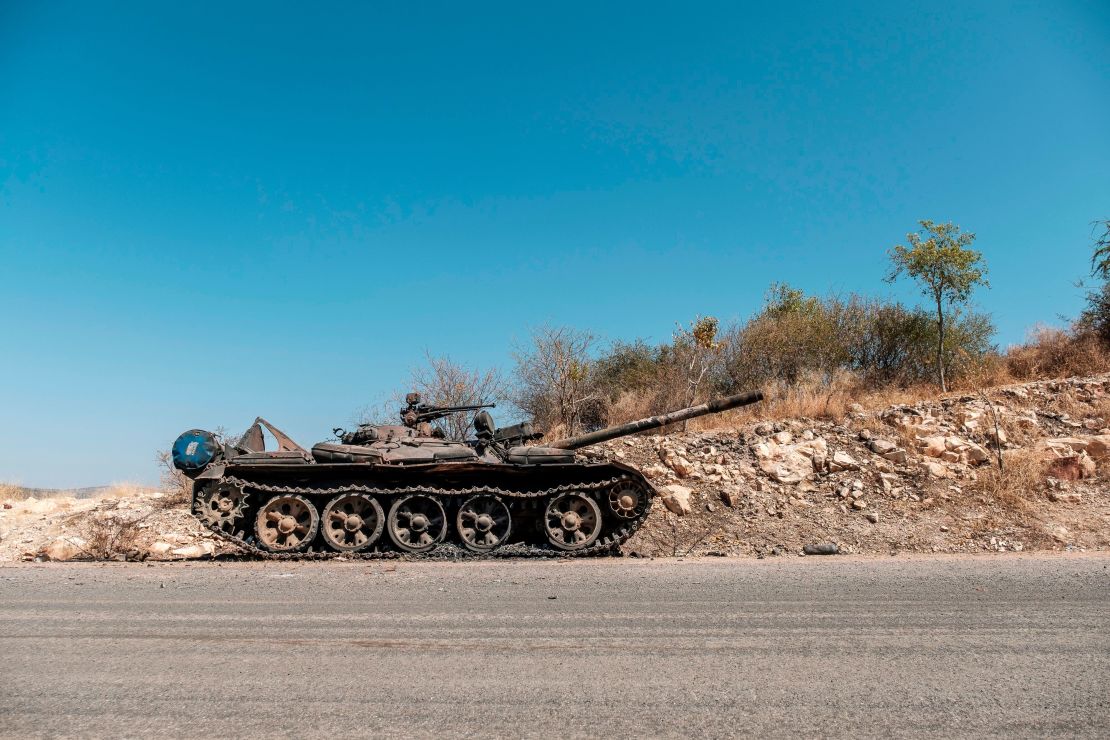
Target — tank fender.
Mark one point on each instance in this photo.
(212, 472)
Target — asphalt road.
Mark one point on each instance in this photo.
(787, 647)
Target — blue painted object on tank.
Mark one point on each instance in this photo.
(195, 449)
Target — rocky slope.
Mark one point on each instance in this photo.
(914, 478)
(920, 478)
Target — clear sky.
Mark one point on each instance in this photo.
(210, 211)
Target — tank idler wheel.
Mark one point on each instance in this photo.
(221, 506)
(417, 523)
(572, 521)
(286, 523)
(483, 522)
(352, 522)
(627, 501)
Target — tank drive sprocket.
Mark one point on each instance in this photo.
(221, 505)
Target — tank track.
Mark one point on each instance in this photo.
(607, 544)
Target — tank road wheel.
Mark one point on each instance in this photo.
(221, 506)
(483, 523)
(286, 523)
(572, 521)
(352, 522)
(416, 523)
(627, 501)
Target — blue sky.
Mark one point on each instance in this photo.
(210, 211)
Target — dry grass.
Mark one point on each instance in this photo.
(1055, 353)
(12, 492)
(1014, 487)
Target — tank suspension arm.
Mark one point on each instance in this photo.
(654, 422)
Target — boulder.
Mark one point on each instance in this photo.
(1072, 467)
(842, 461)
(788, 463)
(932, 446)
(1098, 446)
(935, 469)
(679, 464)
(731, 496)
(159, 549)
(191, 552)
(898, 457)
(677, 499)
(783, 438)
(882, 446)
(64, 548)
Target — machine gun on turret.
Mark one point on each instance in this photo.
(417, 413)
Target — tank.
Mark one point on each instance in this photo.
(386, 490)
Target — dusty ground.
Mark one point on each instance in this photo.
(914, 646)
(922, 479)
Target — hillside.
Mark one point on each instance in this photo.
(907, 478)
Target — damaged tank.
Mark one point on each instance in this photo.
(406, 488)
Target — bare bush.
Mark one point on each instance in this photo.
(554, 381)
(109, 536)
(176, 486)
(445, 383)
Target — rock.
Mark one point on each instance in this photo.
(975, 455)
(855, 408)
(932, 446)
(1067, 497)
(191, 552)
(859, 504)
(898, 457)
(731, 496)
(882, 446)
(1067, 445)
(821, 548)
(159, 549)
(710, 507)
(680, 465)
(1071, 468)
(783, 438)
(677, 499)
(764, 430)
(7, 505)
(654, 471)
(788, 463)
(865, 434)
(64, 548)
(1060, 533)
(1098, 446)
(935, 469)
(842, 461)
(872, 517)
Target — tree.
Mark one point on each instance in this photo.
(553, 377)
(695, 348)
(939, 258)
(1100, 257)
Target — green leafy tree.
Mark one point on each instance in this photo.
(947, 270)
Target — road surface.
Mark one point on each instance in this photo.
(1011, 645)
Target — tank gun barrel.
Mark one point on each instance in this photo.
(654, 422)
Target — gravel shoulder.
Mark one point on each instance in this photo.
(935, 646)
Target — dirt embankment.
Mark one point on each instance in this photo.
(914, 478)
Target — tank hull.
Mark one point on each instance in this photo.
(299, 511)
